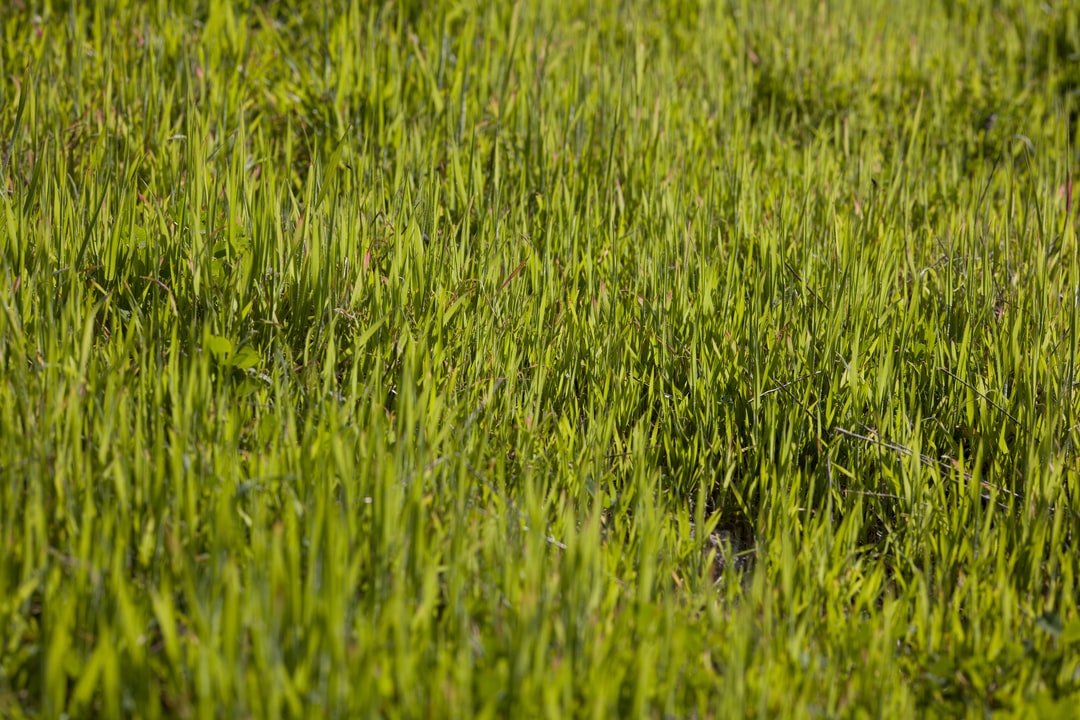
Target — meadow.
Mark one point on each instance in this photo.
(693, 359)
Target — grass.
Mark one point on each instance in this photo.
(692, 359)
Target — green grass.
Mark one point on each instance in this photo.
(563, 359)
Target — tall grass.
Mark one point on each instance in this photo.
(701, 359)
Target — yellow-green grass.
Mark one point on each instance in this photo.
(555, 359)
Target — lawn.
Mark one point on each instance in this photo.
(552, 359)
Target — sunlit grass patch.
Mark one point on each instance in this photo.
(702, 360)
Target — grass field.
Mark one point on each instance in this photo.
(555, 359)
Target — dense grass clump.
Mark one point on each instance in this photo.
(555, 359)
